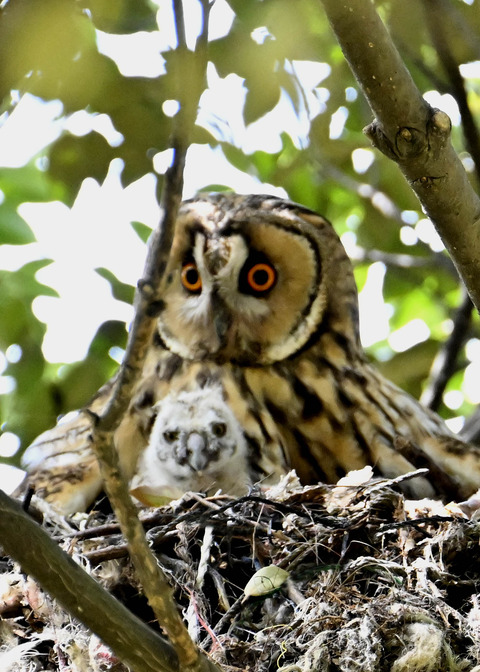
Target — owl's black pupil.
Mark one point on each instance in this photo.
(192, 276)
(261, 278)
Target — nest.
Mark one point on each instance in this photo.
(375, 582)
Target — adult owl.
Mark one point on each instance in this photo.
(261, 300)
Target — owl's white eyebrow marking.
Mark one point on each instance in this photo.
(217, 253)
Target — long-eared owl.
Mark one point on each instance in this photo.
(261, 302)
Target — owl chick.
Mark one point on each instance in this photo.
(195, 444)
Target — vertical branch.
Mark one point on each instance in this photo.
(134, 642)
(436, 17)
(148, 303)
(445, 363)
(180, 23)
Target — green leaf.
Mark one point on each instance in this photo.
(74, 158)
(122, 16)
(79, 381)
(120, 290)
(142, 230)
(28, 183)
(13, 228)
(266, 581)
(262, 96)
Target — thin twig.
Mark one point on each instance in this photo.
(471, 430)
(148, 303)
(436, 19)
(445, 363)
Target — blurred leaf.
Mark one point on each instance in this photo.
(31, 405)
(122, 16)
(262, 96)
(409, 369)
(25, 408)
(79, 381)
(18, 185)
(17, 291)
(13, 229)
(29, 183)
(73, 158)
(44, 47)
(142, 230)
(120, 290)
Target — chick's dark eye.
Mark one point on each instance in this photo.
(191, 279)
(170, 436)
(219, 429)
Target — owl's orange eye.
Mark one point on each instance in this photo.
(191, 279)
(261, 277)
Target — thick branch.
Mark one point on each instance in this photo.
(411, 133)
(136, 644)
(436, 16)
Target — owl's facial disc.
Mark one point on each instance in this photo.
(244, 291)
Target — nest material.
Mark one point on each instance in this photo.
(376, 583)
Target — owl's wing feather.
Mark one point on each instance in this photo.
(63, 444)
(61, 464)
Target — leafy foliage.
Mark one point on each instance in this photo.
(287, 63)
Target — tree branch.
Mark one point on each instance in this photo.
(411, 133)
(445, 363)
(436, 16)
(134, 642)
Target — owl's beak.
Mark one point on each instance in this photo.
(197, 451)
(222, 319)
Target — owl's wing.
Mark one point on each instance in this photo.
(61, 464)
(62, 468)
(63, 444)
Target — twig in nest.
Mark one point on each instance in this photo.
(194, 615)
(418, 524)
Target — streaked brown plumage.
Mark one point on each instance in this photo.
(261, 300)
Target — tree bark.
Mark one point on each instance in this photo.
(409, 131)
(130, 639)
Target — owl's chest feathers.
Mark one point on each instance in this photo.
(324, 412)
(335, 414)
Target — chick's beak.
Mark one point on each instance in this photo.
(197, 451)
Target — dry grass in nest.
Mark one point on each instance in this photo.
(375, 583)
